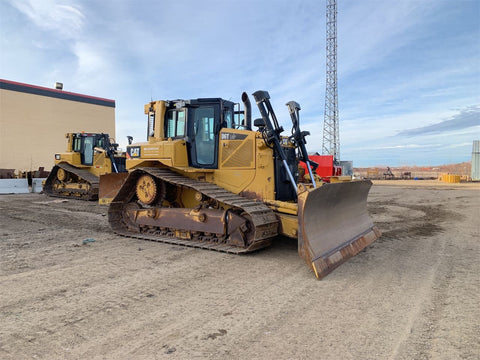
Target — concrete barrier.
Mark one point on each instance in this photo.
(20, 186)
(14, 186)
(37, 184)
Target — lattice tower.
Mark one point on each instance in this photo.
(331, 138)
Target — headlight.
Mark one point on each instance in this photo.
(58, 156)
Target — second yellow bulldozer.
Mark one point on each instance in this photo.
(77, 171)
(206, 179)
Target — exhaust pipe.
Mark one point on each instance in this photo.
(247, 111)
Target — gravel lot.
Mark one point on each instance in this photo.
(71, 289)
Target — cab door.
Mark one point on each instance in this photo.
(84, 144)
(88, 146)
(204, 127)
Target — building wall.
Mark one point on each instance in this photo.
(34, 120)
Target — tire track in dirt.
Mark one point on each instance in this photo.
(125, 298)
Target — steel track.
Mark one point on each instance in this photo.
(262, 219)
(91, 194)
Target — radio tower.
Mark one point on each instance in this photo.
(331, 139)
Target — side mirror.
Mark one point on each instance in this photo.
(259, 122)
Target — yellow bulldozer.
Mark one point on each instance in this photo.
(76, 173)
(206, 179)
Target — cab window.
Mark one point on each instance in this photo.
(204, 128)
(228, 118)
(101, 143)
(175, 124)
(88, 152)
(77, 144)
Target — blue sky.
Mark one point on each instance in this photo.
(408, 70)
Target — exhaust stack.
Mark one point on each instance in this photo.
(247, 111)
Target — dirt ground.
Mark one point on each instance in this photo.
(71, 289)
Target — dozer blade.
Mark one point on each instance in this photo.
(110, 184)
(334, 224)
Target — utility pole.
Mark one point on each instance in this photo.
(331, 138)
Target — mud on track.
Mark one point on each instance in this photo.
(72, 289)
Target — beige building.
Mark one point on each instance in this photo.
(34, 120)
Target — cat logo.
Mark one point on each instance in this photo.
(133, 151)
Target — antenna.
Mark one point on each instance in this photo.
(331, 138)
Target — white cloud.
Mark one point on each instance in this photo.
(465, 119)
(368, 31)
(91, 60)
(65, 19)
(402, 64)
(401, 146)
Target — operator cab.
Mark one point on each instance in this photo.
(199, 122)
(85, 144)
